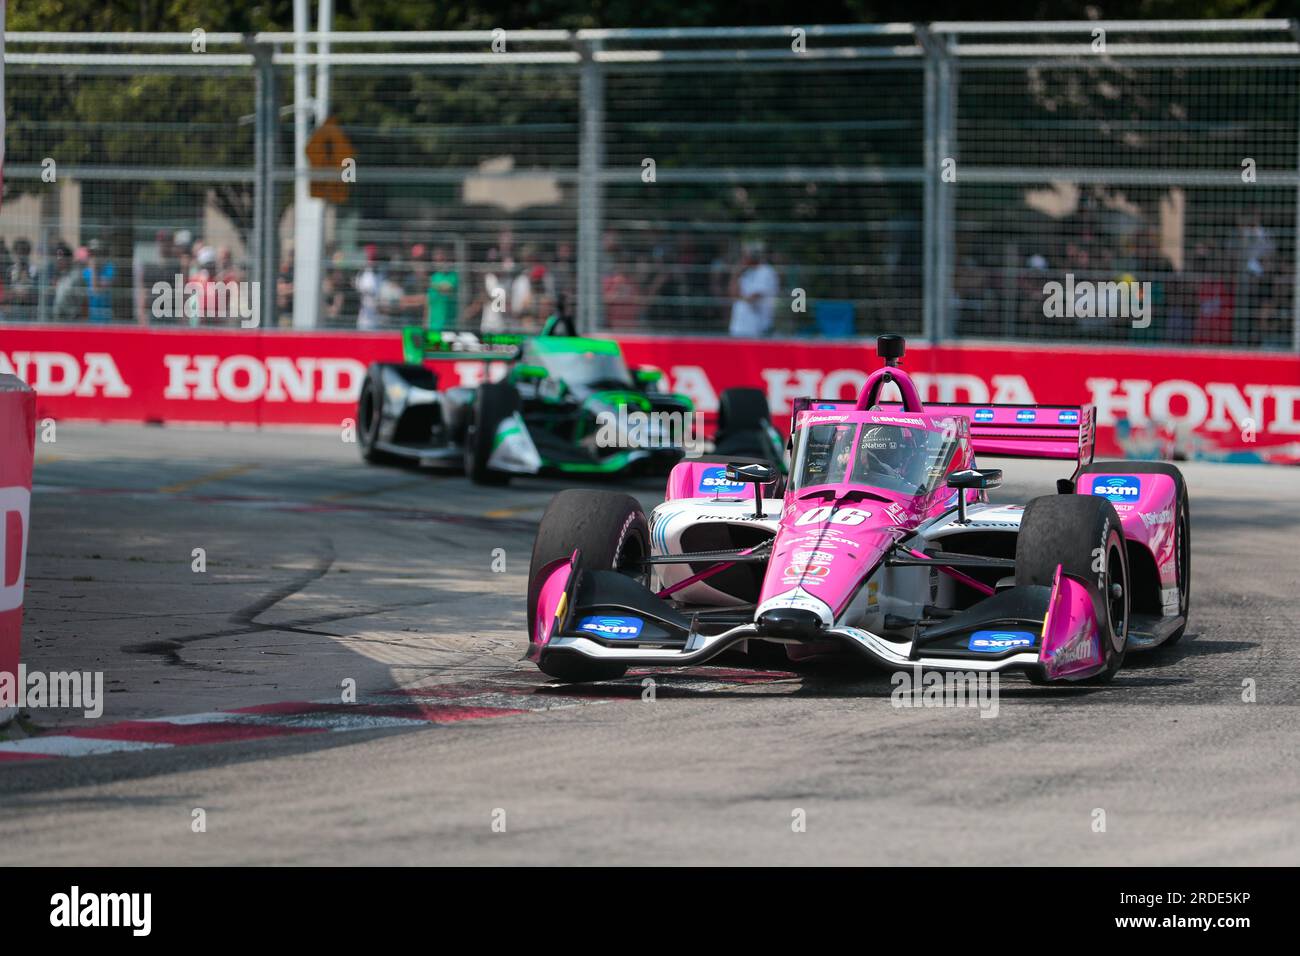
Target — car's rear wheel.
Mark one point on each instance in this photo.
(493, 404)
(1082, 534)
(372, 402)
(1182, 525)
(745, 426)
(612, 534)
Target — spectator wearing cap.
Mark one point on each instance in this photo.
(754, 289)
(201, 306)
(368, 283)
(69, 287)
(98, 275)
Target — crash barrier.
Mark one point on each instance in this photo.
(17, 444)
(1151, 403)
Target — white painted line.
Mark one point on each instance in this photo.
(342, 721)
(61, 746)
(212, 717)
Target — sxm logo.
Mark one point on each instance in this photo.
(620, 628)
(1117, 488)
(716, 480)
(992, 642)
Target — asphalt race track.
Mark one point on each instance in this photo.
(320, 570)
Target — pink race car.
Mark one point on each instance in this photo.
(881, 543)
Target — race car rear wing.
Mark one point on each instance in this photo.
(1061, 432)
(420, 344)
(1064, 432)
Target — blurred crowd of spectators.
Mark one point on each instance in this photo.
(76, 284)
(1236, 291)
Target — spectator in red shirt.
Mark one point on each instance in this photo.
(1214, 300)
(622, 299)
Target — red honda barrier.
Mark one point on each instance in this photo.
(17, 446)
(1151, 402)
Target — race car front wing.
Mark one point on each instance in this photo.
(608, 616)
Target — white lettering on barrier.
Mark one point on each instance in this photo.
(100, 376)
(1219, 406)
(246, 378)
(785, 384)
(1214, 406)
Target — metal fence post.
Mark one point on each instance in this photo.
(1295, 238)
(265, 126)
(945, 219)
(929, 163)
(591, 149)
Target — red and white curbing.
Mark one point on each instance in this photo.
(404, 708)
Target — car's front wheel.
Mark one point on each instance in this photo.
(1083, 535)
(612, 534)
(493, 403)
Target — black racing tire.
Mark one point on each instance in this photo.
(1066, 530)
(1183, 525)
(493, 403)
(744, 426)
(742, 410)
(611, 531)
(371, 403)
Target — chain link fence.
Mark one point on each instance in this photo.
(1123, 182)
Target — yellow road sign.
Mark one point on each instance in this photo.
(330, 149)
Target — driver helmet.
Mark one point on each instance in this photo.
(898, 449)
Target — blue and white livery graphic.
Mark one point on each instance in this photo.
(716, 480)
(992, 642)
(1120, 488)
(619, 628)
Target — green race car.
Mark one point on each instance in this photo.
(565, 404)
